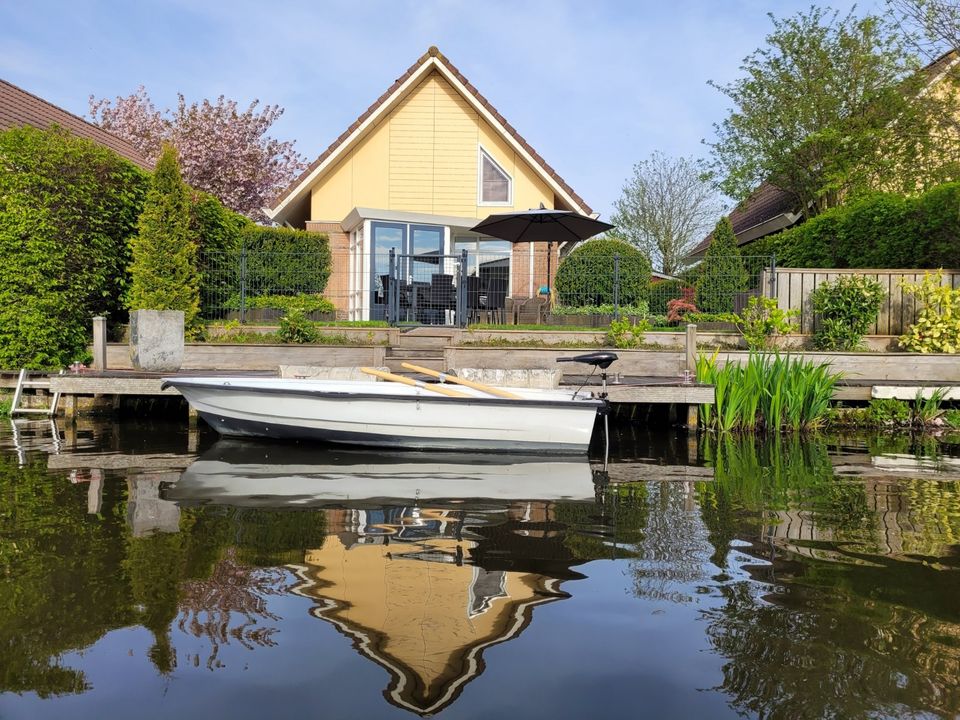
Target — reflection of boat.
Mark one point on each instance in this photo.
(260, 474)
(390, 414)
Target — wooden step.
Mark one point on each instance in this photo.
(396, 364)
(407, 353)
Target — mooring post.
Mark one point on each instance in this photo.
(690, 374)
(99, 343)
(691, 363)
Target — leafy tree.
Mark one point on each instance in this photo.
(223, 150)
(935, 24)
(67, 209)
(722, 273)
(665, 209)
(831, 106)
(164, 268)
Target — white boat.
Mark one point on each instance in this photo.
(254, 474)
(388, 414)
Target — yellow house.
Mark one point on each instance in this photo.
(402, 585)
(420, 167)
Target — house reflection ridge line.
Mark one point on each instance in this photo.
(418, 607)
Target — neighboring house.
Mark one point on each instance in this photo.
(769, 209)
(425, 163)
(19, 107)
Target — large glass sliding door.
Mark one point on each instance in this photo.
(418, 250)
(384, 237)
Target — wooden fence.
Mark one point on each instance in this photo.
(792, 288)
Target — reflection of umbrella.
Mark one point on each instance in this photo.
(541, 225)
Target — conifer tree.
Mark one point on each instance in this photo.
(164, 268)
(722, 274)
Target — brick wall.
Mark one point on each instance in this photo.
(338, 285)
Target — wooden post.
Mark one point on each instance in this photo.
(691, 363)
(693, 416)
(99, 343)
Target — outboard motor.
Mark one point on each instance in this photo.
(601, 360)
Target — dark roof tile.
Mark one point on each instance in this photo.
(19, 107)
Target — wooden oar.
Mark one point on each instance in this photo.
(415, 383)
(460, 381)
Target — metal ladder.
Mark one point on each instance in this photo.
(24, 381)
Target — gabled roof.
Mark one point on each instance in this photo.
(769, 209)
(19, 107)
(432, 59)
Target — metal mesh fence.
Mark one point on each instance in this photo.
(434, 289)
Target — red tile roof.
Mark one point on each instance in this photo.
(19, 107)
(433, 52)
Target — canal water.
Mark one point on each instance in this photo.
(150, 572)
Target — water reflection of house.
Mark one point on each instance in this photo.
(403, 584)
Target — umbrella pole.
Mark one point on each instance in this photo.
(549, 279)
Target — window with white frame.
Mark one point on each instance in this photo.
(496, 185)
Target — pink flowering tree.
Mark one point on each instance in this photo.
(223, 150)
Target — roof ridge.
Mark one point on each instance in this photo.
(432, 52)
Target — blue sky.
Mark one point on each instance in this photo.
(593, 85)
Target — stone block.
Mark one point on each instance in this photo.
(156, 340)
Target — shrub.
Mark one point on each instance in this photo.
(937, 328)
(722, 273)
(888, 411)
(284, 261)
(586, 275)
(626, 334)
(163, 272)
(677, 310)
(67, 209)
(845, 309)
(762, 322)
(664, 291)
(295, 328)
(638, 309)
(882, 230)
(214, 227)
(285, 303)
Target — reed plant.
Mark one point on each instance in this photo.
(771, 392)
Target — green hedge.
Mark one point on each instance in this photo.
(283, 261)
(585, 276)
(880, 230)
(664, 291)
(67, 209)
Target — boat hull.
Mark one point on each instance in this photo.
(383, 415)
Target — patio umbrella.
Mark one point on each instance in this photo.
(542, 225)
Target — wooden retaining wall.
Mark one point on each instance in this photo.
(200, 356)
(898, 312)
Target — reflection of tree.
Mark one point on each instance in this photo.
(864, 620)
(70, 577)
(804, 653)
(671, 555)
(207, 607)
(62, 580)
(755, 477)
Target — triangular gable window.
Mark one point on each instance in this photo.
(496, 186)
